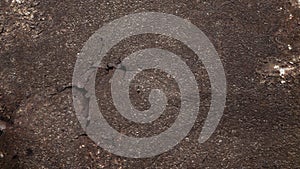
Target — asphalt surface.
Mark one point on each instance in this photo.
(258, 43)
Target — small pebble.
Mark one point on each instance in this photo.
(2, 125)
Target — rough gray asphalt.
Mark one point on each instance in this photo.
(258, 43)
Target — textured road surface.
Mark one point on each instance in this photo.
(258, 42)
